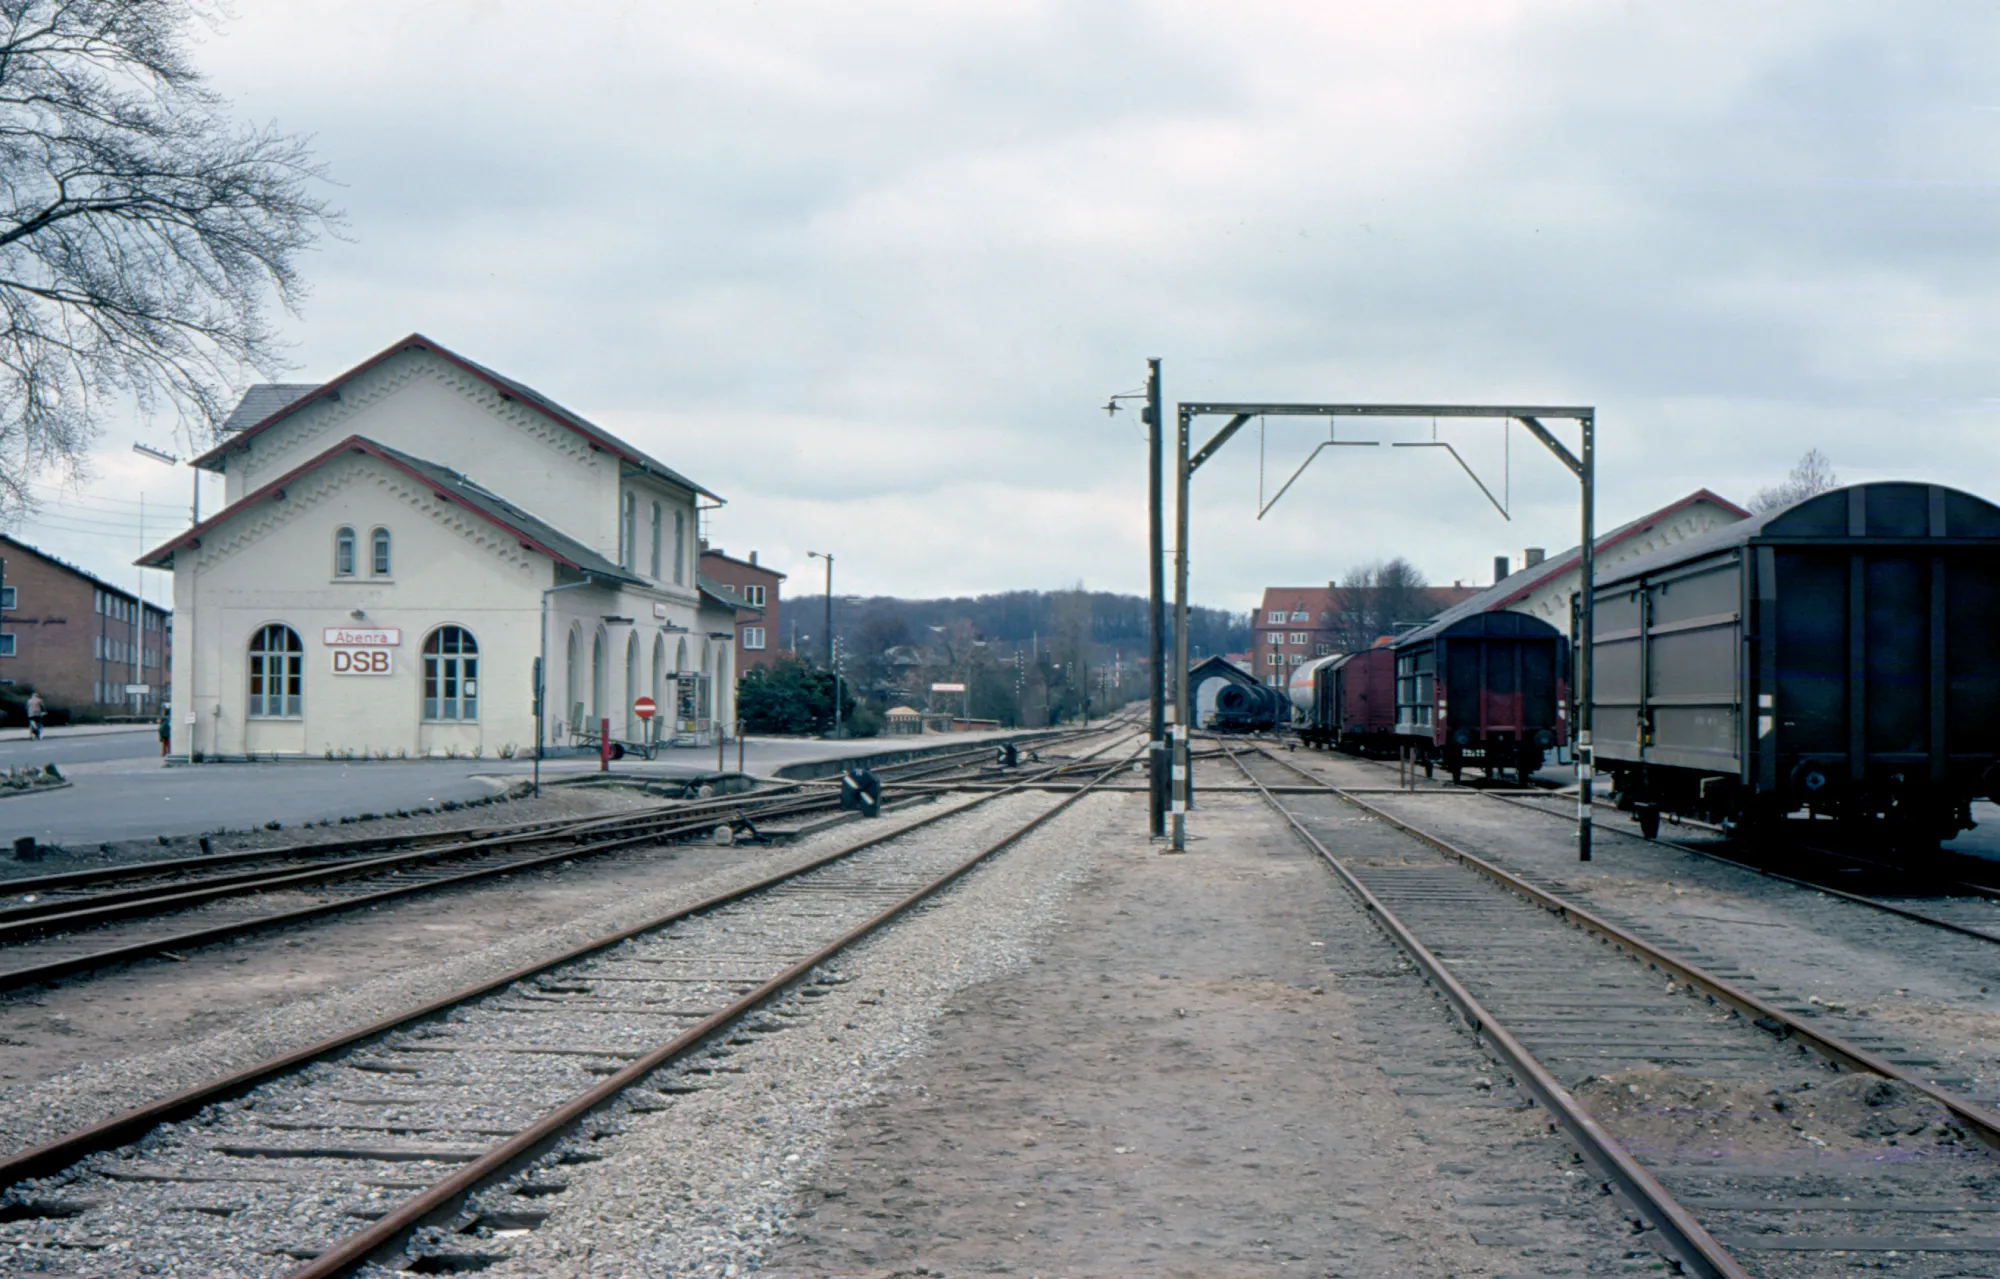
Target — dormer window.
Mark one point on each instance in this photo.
(343, 552)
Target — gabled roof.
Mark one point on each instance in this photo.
(264, 399)
(83, 573)
(1518, 586)
(718, 553)
(716, 591)
(448, 484)
(271, 393)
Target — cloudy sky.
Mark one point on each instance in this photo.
(870, 270)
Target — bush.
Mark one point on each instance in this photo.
(791, 697)
(865, 721)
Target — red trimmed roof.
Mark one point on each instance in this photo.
(446, 483)
(507, 387)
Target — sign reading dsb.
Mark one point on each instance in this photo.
(361, 661)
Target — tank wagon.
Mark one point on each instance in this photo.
(1837, 656)
(1247, 708)
(1482, 690)
(1299, 687)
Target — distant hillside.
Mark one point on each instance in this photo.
(1016, 619)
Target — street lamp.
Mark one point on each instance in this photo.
(829, 636)
(139, 621)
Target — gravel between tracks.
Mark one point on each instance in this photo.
(38, 1111)
(707, 1186)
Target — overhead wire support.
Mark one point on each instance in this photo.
(1582, 464)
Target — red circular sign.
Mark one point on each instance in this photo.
(643, 708)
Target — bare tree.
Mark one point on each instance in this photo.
(1373, 598)
(142, 234)
(1813, 474)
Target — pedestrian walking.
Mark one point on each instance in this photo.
(36, 710)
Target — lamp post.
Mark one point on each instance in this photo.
(829, 636)
(1157, 755)
(194, 510)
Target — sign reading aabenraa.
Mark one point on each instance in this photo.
(361, 636)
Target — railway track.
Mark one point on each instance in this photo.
(1752, 1141)
(1963, 907)
(447, 1123)
(61, 926)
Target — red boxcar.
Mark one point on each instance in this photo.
(1486, 690)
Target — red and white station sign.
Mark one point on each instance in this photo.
(643, 707)
(361, 636)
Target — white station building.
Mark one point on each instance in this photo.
(398, 547)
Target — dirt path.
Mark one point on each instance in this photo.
(1218, 1065)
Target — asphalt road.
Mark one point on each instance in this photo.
(121, 790)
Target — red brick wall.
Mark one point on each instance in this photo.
(56, 629)
(736, 574)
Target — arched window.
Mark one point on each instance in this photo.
(378, 552)
(628, 533)
(680, 548)
(451, 674)
(632, 686)
(597, 698)
(343, 552)
(659, 685)
(277, 670)
(573, 685)
(656, 541)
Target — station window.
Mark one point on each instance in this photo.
(1297, 658)
(6, 645)
(7, 598)
(680, 548)
(753, 637)
(1299, 615)
(343, 552)
(1276, 616)
(1298, 637)
(277, 670)
(754, 595)
(657, 526)
(378, 552)
(451, 675)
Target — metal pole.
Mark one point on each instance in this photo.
(1156, 560)
(1586, 634)
(1181, 763)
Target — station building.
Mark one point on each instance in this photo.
(400, 544)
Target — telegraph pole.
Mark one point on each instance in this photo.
(1157, 755)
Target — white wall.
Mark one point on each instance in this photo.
(1550, 599)
(427, 407)
(274, 563)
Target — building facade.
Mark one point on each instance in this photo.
(756, 590)
(1295, 624)
(1546, 586)
(74, 637)
(399, 547)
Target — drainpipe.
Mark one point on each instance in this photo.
(542, 692)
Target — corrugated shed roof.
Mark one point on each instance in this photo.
(1517, 586)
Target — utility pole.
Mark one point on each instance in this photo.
(831, 668)
(1182, 777)
(1157, 754)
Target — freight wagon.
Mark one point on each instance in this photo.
(1837, 656)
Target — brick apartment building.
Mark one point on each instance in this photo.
(1295, 624)
(755, 588)
(69, 635)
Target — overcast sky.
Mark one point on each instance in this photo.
(870, 270)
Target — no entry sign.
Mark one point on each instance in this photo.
(643, 708)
